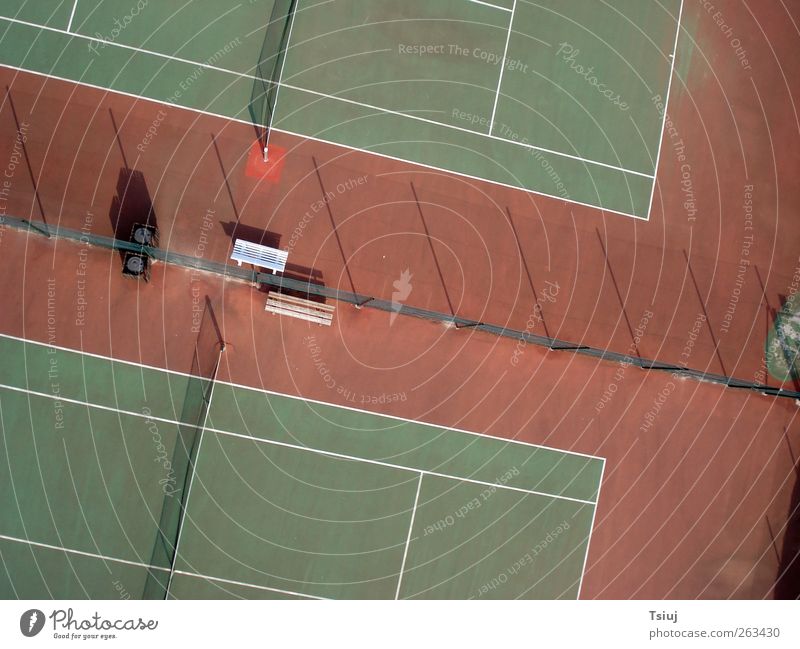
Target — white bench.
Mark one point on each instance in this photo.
(258, 255)
(321, 314)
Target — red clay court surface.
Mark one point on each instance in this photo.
(699, 497)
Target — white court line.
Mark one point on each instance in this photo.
(298, 447)
(486, 4)
(343, 456)
(291, 396)
(461, 174)
(312, 138)
(72, 16)
(103, 557)
(413, 421)
(128, 47)
(408, 539)
(244, 583)
(503, 65)
(91, 555)
(160, 102)
(461, 129)
(520, 188)
(340, 99)
(666, 105)
(591, 528)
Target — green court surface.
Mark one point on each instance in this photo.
(556, 98)
(287, 498)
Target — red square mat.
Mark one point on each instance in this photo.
(270, 170)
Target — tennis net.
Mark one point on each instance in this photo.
(269, 68)
(206, 356)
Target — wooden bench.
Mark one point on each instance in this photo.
(321, 314)
(258, 255)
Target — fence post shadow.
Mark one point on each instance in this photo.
(326, 200)
(21, 138)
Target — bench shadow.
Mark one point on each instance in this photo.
(131, 204)
(249, 233)
(299, 274)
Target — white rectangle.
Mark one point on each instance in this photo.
(407, 624)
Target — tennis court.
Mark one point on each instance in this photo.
(282, 497)
(565, 100)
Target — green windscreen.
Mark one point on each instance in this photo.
(269, 66)
(205, 362)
